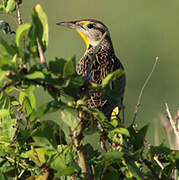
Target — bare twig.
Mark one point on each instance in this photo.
(174, 174)
(41, 54)
(143, 87)
(19, 118)
(176, 120)
(13, 161)
(76, 142)
(72, 177)
(158, 162)
(103, 144)
(36, 156)
(19, 18)
(172, 124)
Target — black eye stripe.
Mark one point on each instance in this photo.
(90, 26)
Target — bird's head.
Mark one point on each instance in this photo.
(90, 30)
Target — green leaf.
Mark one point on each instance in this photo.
(22, 30)
(2, 8)
(4, 113)
(177, 160)
(59, 163)
(22, 95)
(134, 169)
(7, 125)
(41, 152)
(27, 106)
(70, 117)
(69, 67)
(6, 63)
(40, 26)
(114, 122)
(162, 151)
(11, 4)
(56, 66)
(140, 137)
(14, 103)
(111, 173)
(116, 134)
(124, 131)
(49, 107)
(2, 176)
(112, 157)
(5, 48)
(2, 74)
(40, 136)
(98, 114)
(32, 100)
(28, 93)
(67, 171)
(4, 101)
(56, 159)
(111, 77)
(27, 100)
(35, 75)
(74, 87)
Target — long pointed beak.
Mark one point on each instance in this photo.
(71, 25)
(79, 28)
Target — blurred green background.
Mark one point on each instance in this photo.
(140, 30)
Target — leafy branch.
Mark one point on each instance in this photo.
(32, 147)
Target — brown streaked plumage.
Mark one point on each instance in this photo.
(104, 62)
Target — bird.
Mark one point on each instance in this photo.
(98, 61)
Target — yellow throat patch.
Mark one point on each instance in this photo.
(82, 35)
(84, 38)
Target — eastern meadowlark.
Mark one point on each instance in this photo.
(104, 61)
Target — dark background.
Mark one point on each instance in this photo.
(140, 31)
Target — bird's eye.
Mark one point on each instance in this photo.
(90, 26)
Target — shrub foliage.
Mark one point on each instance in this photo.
(34, 149)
